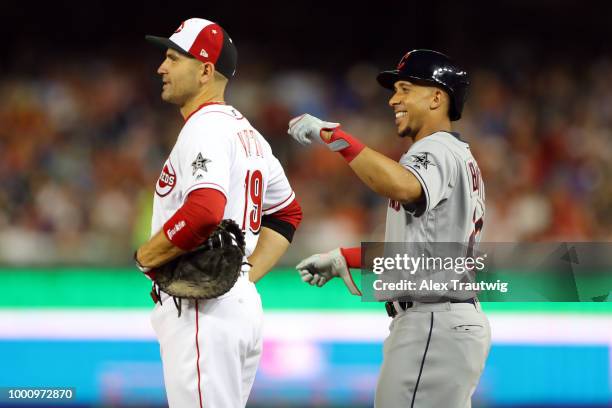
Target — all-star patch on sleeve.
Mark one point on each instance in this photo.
(199, 164)
(206, 153)
(434, 166)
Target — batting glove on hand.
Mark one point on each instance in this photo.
(318, 269)
(306, 128)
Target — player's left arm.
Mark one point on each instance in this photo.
(204, 160)
(190, 225)
(157, 251)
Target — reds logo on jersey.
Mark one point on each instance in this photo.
(166, 181)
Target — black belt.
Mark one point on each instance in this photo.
(407, 305)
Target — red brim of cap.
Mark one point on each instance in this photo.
(163, 42)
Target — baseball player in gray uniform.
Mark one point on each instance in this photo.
(436, 350)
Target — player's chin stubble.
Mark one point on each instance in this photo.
(405, 131)
(167, 96)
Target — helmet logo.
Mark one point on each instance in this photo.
(403, 61)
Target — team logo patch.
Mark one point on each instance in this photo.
(166, 181)
(199, 163)
(402, 62)
(421, 160)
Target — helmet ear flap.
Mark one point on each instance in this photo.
(456, 102)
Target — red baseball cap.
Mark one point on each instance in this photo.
(205, 41)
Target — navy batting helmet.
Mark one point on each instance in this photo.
(434, 68)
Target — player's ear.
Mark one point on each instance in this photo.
(438, 98)
(207, 72)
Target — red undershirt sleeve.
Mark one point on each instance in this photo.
(191, 224)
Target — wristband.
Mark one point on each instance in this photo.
(345, 144)
(352, 256)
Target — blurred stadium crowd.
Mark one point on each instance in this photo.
(81, 147)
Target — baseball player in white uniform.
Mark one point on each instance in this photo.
(436, 351)
(219, 168)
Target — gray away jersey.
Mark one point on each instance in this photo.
(454, 207)
(452, 212)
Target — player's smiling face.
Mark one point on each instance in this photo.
(411, 103)
(179, 76)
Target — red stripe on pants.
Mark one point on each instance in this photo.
(198, 352)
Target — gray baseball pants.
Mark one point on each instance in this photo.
(434, 356)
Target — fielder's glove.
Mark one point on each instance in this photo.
(318, 269)
(306, 128)
(207, 272)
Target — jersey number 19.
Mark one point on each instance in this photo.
(253, 194)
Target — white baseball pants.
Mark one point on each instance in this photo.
(211, 352)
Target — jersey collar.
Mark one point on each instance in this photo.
(201, 107)
(457, 136)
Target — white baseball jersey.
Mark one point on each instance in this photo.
(453, 189)
(219, 149)
(210, 354)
